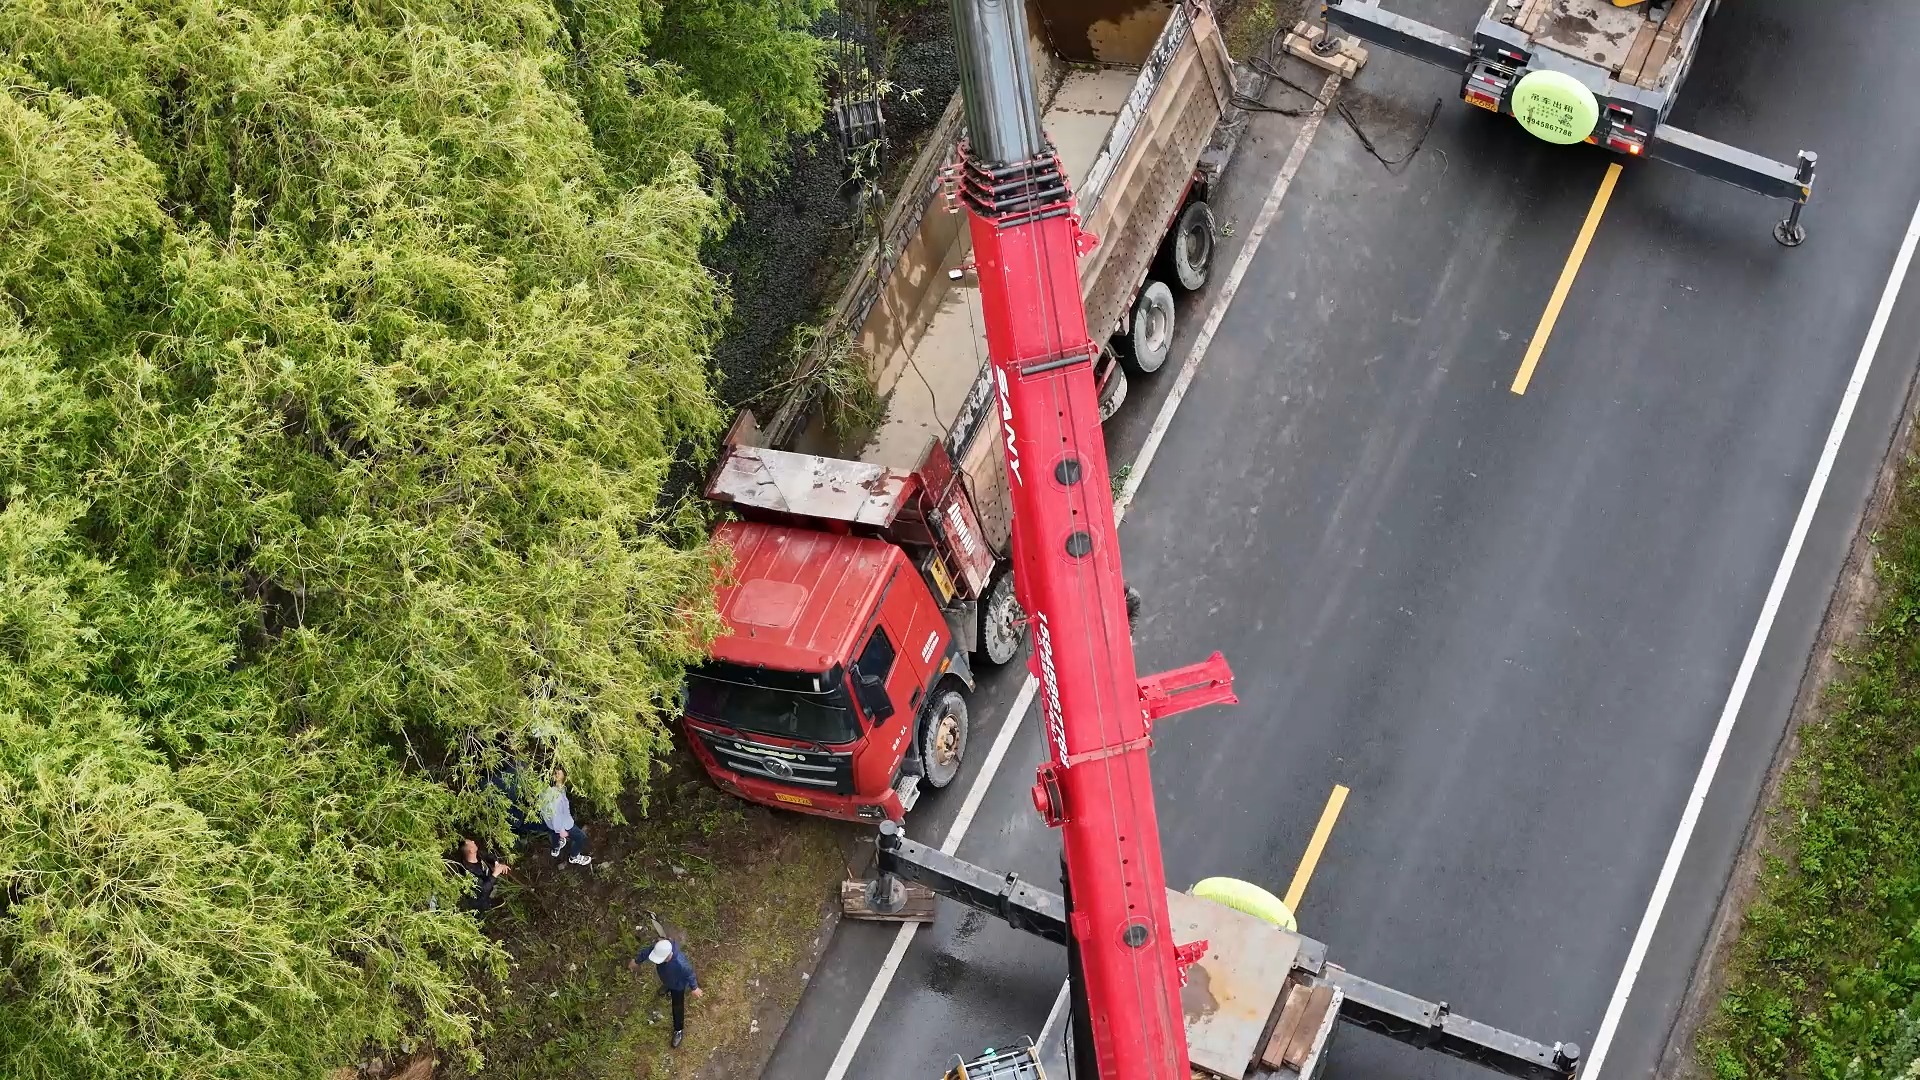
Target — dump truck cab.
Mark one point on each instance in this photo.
(850, 606)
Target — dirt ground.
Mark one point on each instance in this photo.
(749, 892)
(1249, 24)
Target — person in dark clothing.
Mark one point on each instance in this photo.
(486, 870)
(676, 979)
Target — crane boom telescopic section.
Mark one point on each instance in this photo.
(1095, 787)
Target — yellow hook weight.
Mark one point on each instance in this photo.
(1248, 898)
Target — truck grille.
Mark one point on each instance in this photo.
(820, 770)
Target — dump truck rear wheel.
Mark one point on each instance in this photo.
(1000, 621)
(1189, 250)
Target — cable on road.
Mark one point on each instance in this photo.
(1262, 63)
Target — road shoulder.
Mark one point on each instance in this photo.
(1855, 598)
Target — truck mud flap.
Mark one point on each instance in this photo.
(1402, 35)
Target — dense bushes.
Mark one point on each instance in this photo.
(344, 350)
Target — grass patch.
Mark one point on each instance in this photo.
(1248, 25)
(743, 887)
(1823, 979)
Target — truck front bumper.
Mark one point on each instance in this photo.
(885, 806)
(819, 804)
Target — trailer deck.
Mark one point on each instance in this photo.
(1634, 46)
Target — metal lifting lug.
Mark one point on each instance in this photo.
(1209, 682)
(1046, 796)
(1083, 241)
(1185, 956)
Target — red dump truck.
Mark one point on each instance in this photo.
(855, 594)
(862, 591)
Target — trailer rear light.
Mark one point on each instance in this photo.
(1485, 90)
(1625, 144)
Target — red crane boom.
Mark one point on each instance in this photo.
(1095, 787)
(1125, 969)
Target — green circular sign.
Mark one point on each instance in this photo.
(1555, 106)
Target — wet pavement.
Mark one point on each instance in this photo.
(1507, 623)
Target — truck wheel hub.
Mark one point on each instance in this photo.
(1156, 328)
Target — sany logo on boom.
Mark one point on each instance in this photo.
(1050, 688)
(1006, 426)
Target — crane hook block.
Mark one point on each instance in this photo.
(1209, 682)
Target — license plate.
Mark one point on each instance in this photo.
(796, 800)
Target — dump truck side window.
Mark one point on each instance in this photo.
(870, 676)
(877, 658)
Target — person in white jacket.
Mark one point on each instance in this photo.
(556, 811)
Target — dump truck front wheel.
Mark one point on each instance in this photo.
(943, 739)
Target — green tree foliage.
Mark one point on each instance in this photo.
(767, 77)
(344, 352)
(658, 78)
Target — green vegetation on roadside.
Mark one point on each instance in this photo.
(1249, 26)
(1825, 975)
(345, 351)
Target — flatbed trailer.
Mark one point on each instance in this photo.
(1591, 71)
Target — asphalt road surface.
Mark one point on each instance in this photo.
(1508, 623)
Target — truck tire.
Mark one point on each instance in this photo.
(943, 738)
(1000, 621)
(1189, 247)
(1113, 393)
(1149, 337)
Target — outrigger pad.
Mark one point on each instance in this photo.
(1344, 57)
(870, 900)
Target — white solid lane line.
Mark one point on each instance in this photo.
(870, 1005)
(1690, 817)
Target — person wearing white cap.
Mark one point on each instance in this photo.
(676, 979)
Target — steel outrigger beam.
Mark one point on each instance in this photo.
(1355, 1000)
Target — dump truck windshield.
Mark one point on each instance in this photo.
(814, 708)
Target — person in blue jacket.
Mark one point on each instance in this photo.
(676, 979)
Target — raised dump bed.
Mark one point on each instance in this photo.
(1133, 93)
